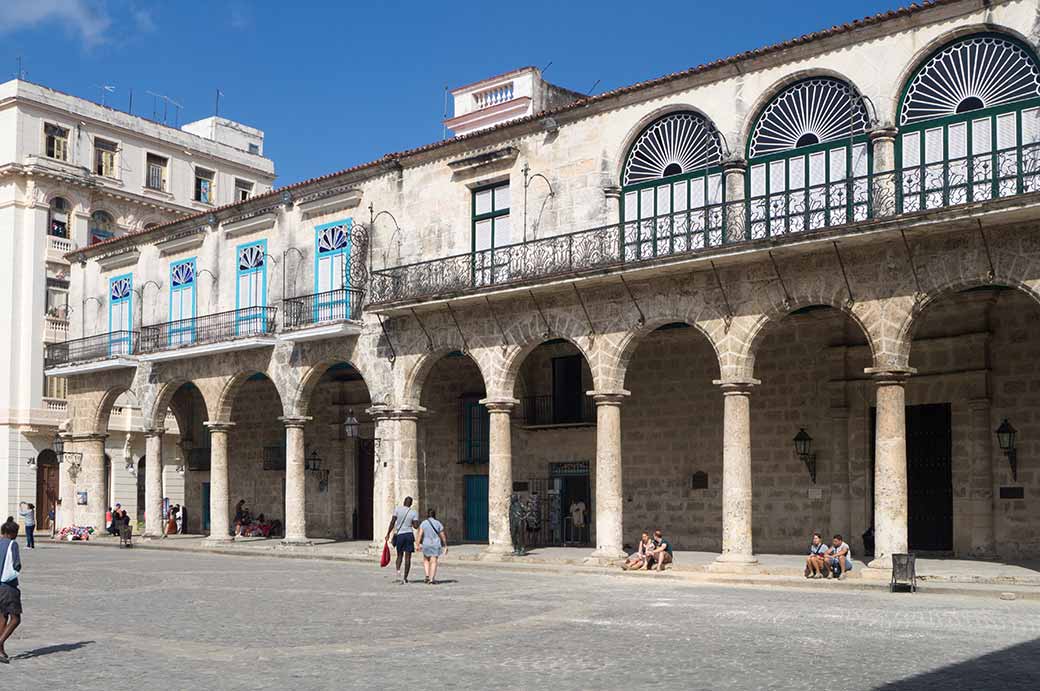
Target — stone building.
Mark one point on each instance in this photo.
(74, 173)
(635, 302)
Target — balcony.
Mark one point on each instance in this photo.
(57, 247)
(331, 314)
(550, 411)
(105, 351)
(913, 195)
(241, 329)
(55, 329)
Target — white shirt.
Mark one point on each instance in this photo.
(578, 514)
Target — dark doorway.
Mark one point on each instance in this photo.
(476, 508)
(142, 468)
(46, 489)
(364, 473)
(567, 394)
(929, 476)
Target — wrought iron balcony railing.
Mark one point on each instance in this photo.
(333, 305)
(96, 347)
(211, 328)
(549, 410)
(797, 211)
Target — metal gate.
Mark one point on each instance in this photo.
(929, 477)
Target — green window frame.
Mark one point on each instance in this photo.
(491, 233)
(474, 430)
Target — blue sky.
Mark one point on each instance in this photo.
(334, 84)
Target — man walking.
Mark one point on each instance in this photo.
(402, 523)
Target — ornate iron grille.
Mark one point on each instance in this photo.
(542, 410)
(318, 308)
(97, 347)
(211, 328)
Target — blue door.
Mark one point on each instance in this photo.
(476, 508)
(205, 506)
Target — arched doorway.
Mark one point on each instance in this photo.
(47, 493)
(257, 452)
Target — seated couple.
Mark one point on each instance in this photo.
(828, 560)
(652, 553)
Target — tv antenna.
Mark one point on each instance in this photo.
(22, 74)
(593, 87)
(167, 102)
(105, 90)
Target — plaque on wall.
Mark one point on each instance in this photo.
(521, 486)
(81, 498)
(1012, 492)
(699, 480)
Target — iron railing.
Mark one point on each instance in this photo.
(211, 328)
(333, 305)
(807, 209)
(549, 410)
(96, 347)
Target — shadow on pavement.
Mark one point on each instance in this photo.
(1010, 668)
(40, 652)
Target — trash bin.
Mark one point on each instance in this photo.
(904, 572)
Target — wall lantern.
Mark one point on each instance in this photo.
(1006, 438)
(131, 468)
(803, 449)
(351, 425)
(74, 458)
(31, 461)
(312, 463)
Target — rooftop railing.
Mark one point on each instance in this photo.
(331, 306)
(210, 328)
(90, 348)
(791, 212)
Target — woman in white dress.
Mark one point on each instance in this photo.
(434, 543)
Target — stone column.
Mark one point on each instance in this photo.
(295, 481)
(153, 483)
(734, 171)
(883, 144)
(91, 479)
(736, 474)
(406, 450)
(65, 515)
(983, 481)
(219, 486)
(612, 195)
(840, 490)
(890, 494)
(609, 497)
(383, 481)
(500, 474)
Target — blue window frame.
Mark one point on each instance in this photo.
(120, 314)
(251, 288)
(331, 270)
(182, 302)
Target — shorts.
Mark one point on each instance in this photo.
(836, 567)
(431, 551)
(10, 600)
(405, 542)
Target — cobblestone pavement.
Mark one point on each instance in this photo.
(101, 618)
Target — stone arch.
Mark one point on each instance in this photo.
(912, 318)
(633, 133)
(415, 378)
(99, 422)
(299, 405)
(157, 415)
(771, 318)
(504, 386)
(232, 385)
(891, 109)
(754, 112)
(630, 341)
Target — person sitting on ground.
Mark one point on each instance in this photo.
(839, 558)
(117, 521)
(662, 551)
(637, 559)
(241, 513)
(816, 562)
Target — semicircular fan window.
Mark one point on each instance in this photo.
(676, 144)
(813, 111)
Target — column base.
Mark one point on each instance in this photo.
(882, 562)
(606, 556)
(497, 552)
(151, 536)
(218, 541)
(296, 542)
(734, 563)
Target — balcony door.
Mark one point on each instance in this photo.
(182, 302)
(120, 314)
(332, 271)
(251, 294)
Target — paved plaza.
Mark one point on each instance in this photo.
(102, 618)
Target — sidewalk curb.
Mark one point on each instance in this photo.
(926, 586)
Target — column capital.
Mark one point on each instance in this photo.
(88, 436)
(741, 387)
(882, 131)
(218, 425)
(890, 375)
(154, 431)
(499, 405)
(295, 421)
(615, 397)
(612, 192)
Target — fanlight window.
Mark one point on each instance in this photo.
(250, 257)
(183, 274)
(809, 159)
(120, 288)
(673, 188)
(970, 124)
(332, 238)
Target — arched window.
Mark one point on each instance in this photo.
(58, 225)
(969, 124)
(672, 187)
(808, 159)
(102, 226)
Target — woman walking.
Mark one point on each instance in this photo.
(28, 515)
(434, 544)
(10, 595)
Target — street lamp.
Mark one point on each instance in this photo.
(351, 425)
(803, 449)
(312, 463)
(1006, 438)
(74, 458)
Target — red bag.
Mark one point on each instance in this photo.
(385, 558)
